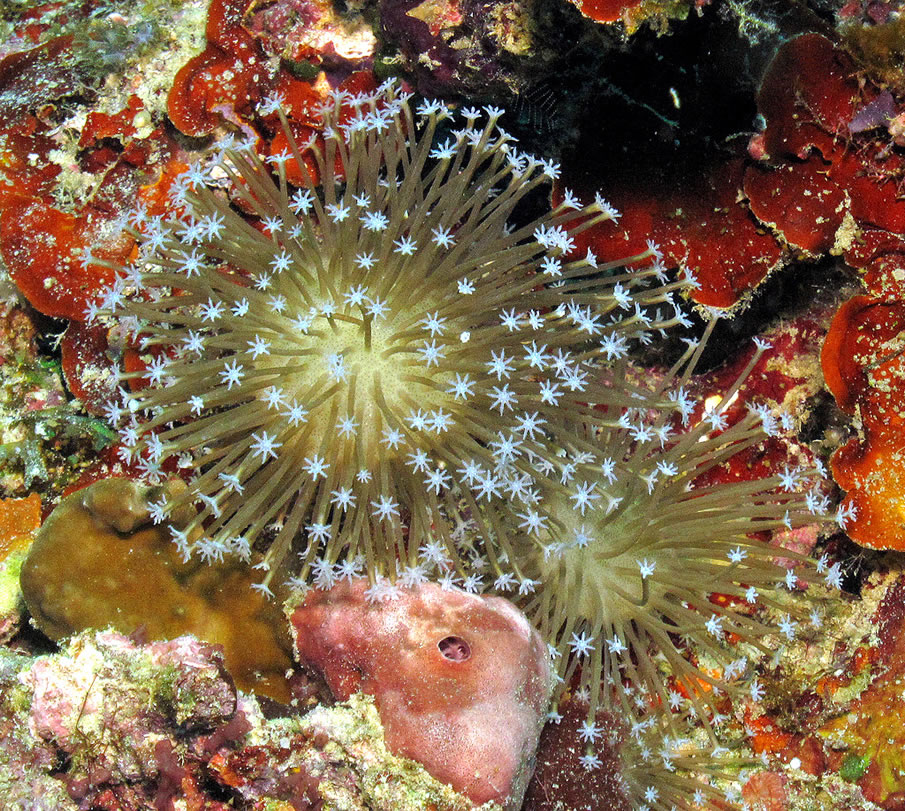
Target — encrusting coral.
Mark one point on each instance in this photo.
(99, 561)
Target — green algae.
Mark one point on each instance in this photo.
(854, 768)
(10, 593)
(44, 436)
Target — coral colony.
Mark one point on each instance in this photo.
(384, 354)
(343, 366)
(626, 552)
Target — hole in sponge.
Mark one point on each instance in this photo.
(454, 648)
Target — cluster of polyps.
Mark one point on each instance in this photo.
(338, 364)
(350, 363)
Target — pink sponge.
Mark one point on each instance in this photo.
(461, 681)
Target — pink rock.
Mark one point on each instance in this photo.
(108, 693)
(461, 681)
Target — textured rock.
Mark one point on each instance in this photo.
(115, 698)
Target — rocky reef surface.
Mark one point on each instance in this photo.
(664, 572)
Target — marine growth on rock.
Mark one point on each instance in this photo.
(375, 360)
